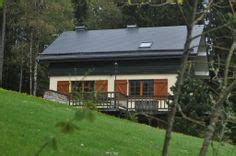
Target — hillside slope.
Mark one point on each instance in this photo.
(26, 121)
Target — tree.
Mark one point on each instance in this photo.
(225, 89)
(195, 101)
(80, 11)
(2, 37)
(223, 47)
(35, 24)
(103, 14)
(151, 15)
(190, 21)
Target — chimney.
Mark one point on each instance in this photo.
(80, 28)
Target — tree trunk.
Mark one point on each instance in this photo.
(180, 78)
(31, 64)
(215, 117)
(2, 46)
(228, 60)
(219, 104)
(37, 52)
(21, 72)
(35, 77)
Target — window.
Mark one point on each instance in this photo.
(141, 87)
(83, 86)
(135, 88)
(148, 87)
(145, 45)
(76, 86)
(88, 86)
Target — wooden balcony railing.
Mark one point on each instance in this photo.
(103, 100)
(113, 101)
(147, 104)
(119, 101)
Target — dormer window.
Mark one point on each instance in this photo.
(145, 45)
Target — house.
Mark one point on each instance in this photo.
(140, 63)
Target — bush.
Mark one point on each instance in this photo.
(196, 103)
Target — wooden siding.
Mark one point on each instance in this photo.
(101, 86)
(121, 86)
(161, 87)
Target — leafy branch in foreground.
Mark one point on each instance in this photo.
(69, 126)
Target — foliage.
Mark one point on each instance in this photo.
(130, 2)
(230, 113)
(147, 15)
(220, 40)
(25, 127)
(66, 127)
(69, 125)
(103, 14)
(132, 116)
(1, 3)
(196, 103)
(37, 22)
(153, 15)
(178, 1)
(80, 10)
(106, 14)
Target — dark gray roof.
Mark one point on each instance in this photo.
(120, 42)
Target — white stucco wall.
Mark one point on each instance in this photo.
(110, 78)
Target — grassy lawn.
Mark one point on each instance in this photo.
(1, 2)
(26, 121)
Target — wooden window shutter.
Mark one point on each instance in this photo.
(63, 87)
(160, 87)
(101, 86)
(121, 86)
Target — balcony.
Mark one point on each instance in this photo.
(113, 101)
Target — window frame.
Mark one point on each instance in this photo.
(145, 45)
(140, 91)
(83, 86)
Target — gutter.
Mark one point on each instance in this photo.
(102, 56)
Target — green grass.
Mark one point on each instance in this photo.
(26, 121)
(1, 3)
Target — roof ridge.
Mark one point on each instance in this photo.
(125, 28)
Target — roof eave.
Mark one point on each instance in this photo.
(124, 55)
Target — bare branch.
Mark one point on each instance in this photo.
(199, 19)
(190, 119)
(231, 6)
(182, 12)
(215, 117)
(221, 48)
(209, 31)
(180, 79)
(155, 118)
(146, 3)
(202, 14)
(228, 60)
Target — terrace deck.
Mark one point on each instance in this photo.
(112, 101)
